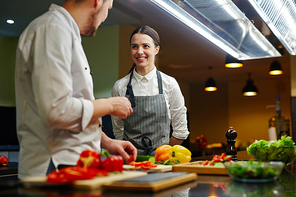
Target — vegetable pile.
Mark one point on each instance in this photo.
(279, 150)
(253, 170)
(170, 155)
(89, 165)
(218, 160)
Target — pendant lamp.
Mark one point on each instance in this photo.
(210, 84)
(275, 68)
(232, 62)
(250, 89)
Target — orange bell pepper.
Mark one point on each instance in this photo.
(162, 153)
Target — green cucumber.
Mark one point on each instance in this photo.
(145, 158)
(219, 164)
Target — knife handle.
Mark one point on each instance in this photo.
(60, 166)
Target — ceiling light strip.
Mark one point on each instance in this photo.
(190, 21)
(250, 44)
(279, 16)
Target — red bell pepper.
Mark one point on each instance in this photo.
(146, 165)
(70, 174)
(136, 164)
(3, 160)
(131, 158)
(111, 163)
(227, 158)
(57, 177)
(89, 159)
(206, 162)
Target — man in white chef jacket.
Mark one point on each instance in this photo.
(57, 115)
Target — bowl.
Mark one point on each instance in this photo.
(283, 154)
(254, 171)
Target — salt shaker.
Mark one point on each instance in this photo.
(230, 149)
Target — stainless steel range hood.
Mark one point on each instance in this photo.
(280, 16)
(222, 23)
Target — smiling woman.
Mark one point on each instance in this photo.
(156, 99)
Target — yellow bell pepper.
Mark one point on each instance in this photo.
(180, 154)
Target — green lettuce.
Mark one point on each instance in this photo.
(279, 150)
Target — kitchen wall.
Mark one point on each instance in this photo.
(293, 94)
(102, 54)
(210, 113)
(7, 61)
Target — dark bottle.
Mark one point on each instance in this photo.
(230, 149)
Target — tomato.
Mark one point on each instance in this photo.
(217, 158)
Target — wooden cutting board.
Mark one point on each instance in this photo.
(159, 168)
(152, 182)
(84, 184)
(198, 168)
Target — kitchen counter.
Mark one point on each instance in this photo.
(205, 185)
(11, 168)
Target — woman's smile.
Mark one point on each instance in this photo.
(141, 59)
(143, 52)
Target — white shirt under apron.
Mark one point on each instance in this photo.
(147, 86)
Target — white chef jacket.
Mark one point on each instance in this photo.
(54, 89)
(147, 86)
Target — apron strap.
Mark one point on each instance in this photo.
(159, 82)
(129, 92)
(147, 147)
(129, 89)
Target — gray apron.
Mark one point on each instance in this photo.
(148, 127)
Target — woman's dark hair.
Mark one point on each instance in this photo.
(148, 31)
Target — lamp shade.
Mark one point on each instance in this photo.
(232, 62)
(250, 89)
(275, 68)
(210, 85)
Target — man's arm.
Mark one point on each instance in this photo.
(118, 147)
(175, 141)
(114, 106)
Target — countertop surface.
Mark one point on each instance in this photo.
(204, 185)
(11, 168)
